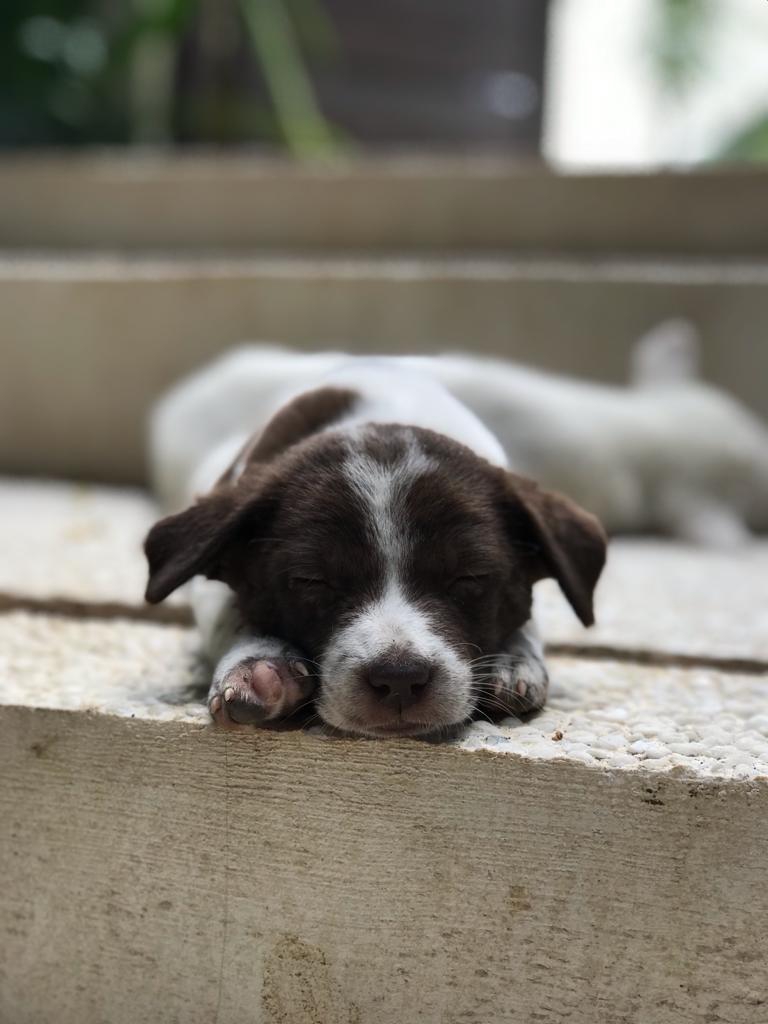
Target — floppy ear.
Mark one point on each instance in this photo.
(566, 542)
(183, 545)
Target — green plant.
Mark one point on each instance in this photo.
(276, 43)
(679, 42)
(749, 143)
(680, 45)
(66, 70)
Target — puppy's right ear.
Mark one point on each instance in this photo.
(191, 542)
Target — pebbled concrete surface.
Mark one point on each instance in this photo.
(610, 715)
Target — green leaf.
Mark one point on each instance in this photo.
(306, 131)
(749, 144)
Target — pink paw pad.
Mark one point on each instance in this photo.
(257, 691)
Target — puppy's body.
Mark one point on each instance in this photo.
(199, 428)
(372, 549)
(669, 455)
(368, 535)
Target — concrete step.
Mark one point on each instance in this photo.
(89, 341)
(75, 544)
(618, 715)
(398, 203)
(600, 861)
(603, 862)
(76, 549)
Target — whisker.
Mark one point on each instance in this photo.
(306, 704)
(480, 711)
(466, 643)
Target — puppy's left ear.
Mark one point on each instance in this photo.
(560, 538)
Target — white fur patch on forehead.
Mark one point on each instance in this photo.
(389, 623)
(380, 486)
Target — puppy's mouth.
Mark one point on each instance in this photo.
(392, 728)
(397, 727)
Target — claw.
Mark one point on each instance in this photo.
(257, 691)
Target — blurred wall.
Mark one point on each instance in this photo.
(126, 273)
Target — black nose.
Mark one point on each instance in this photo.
(398, 683)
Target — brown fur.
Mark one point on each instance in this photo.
(292, 540)
(306, 415)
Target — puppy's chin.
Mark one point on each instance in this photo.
(437, 727)
(422, 731)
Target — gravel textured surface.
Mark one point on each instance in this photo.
(133, 669)
(73, 540)
(83, 543)
(611, 715)
(668, 597)
(618, 715)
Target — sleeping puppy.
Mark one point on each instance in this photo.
(374, 549)
(370, 549)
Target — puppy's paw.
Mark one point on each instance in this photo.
(256, 690)
(518, 685)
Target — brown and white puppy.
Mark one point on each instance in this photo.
(374, 555)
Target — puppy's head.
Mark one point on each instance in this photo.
(393, 557)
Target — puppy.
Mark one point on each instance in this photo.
(668, 454)
(374, 549)
(371, 549)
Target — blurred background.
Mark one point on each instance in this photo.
(633, 83)
(541, 179)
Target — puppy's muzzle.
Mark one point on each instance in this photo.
(398, 683)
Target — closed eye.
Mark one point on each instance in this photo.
(308, 582)
(469, 580)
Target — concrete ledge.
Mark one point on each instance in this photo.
(96, 340)
(245, 202)
(618, 715)
(601, 861)
(671, 599)
(74, 542)
(283, 878)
